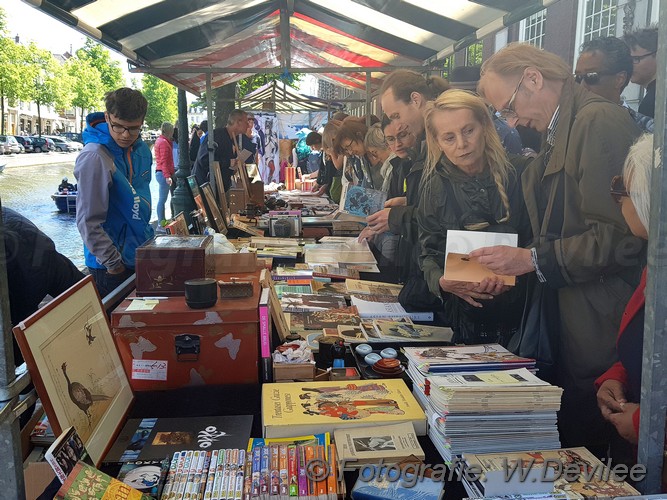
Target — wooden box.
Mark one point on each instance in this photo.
(283, 372)
(164, 263)
(172, 346)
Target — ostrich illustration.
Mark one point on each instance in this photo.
(81, 396)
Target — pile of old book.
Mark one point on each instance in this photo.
(477, 410)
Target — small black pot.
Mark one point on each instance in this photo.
(201, 293)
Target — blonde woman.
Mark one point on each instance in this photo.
(469, 184)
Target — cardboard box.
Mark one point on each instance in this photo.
(283, 372)
(172, 346)
(235, 263)
(164, 263)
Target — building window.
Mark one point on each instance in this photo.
(600, 19)
(474, 54)
(448, 66)
(532, 29)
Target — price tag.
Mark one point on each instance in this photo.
(149, 369)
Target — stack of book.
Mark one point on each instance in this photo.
(566, 473)
(489, 411)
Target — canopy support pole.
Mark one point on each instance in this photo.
(654, 364)
(368, 98)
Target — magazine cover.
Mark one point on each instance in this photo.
(309, 407)
(362, 201)
(400, 330)
(331, 318)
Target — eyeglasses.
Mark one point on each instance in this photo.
(348, 148)
(591, 78)
(638, 59)
(508, 112)
(400, 137)
(120, 129)
(617, 189)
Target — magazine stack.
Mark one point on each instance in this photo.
(476, 410)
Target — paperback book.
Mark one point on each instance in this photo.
(362, 287)
(483, 357)
(391, 443)
(361, 202)
(331, 318)
(292, 302)
(65, 452)
(402, 331)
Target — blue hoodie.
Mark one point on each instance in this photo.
(114, 200)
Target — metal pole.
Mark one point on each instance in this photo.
(11, 473)
(209, 143)
(368, 98)
(654, 368)
(181, 199)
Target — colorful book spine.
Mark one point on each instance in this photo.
(256, 471)
(233, 468)
(194, 465)
(293, 471)
(264, 479)
(303, 478)
(332, 479)
(283, 480)
(219, 470)
(183, 480)
(173, 469)
(225, 474)
(274, 489)
(240, 474)
(265, 334)
(210, 476)
(247, 481)
(203, 475)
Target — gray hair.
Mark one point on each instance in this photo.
(637, 176)
(167, 128)
(375, 138)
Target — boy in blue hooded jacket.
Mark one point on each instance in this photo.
(113, 172)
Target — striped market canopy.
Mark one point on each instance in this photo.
(344, 41)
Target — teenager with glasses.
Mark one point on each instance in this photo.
(643, 45)
(582, 259)
(605, 67)
(113, 171)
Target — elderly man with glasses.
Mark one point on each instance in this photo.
(113, 206)
(605, 67)
(583, 262)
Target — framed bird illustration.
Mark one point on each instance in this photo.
(74, 364)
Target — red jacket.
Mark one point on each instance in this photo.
(617, 370)
(164, 156)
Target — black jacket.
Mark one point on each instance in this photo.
(452, 200)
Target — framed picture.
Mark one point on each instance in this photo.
(196, 195)
(75, 367)
(214, 214)
(220, 189)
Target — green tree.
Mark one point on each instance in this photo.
(51, 85)
(15, 71)
(162, 100)
(98, 57)
(87, 88)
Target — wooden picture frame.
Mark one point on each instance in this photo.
(177, 225)
(214, 216)
(220, 189)
(75, 367)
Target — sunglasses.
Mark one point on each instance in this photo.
(617, 189)
(638, 59)
(592, 78)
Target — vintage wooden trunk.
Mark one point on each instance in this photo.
(173, 346)
(164, 263)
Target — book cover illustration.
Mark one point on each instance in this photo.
(334, 288)
(351, 333)
(372, 288)
(400, 330)
(146, 476)
(295, 302)
(362, 201)
(291, 407)
(65, 452)
(378, 306)
(395, 441)
(331, 318)
(480, 355)
(85, 481)
(154, 439)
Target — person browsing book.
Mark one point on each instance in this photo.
(469, 183)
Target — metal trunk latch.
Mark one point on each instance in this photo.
(187, 347)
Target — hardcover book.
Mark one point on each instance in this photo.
(331, 288)
(361, 287)
(309, 407)
(293, 302)
(377, 306)
(156, 438)
(335, 272)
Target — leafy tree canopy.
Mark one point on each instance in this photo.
(162, 100)
(98, 57)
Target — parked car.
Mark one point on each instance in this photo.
(26, 142)
(62, 144)
(10, 143)
(42, 144)
(73, 136)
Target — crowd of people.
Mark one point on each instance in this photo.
(459, 154)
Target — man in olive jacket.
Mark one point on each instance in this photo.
(582, 248)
